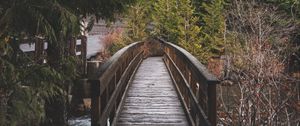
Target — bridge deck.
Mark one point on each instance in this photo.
(152, 98)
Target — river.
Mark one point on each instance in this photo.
(80, 121)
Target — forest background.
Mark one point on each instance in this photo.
(251, 45)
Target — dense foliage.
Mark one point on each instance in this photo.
(179, 22)
(256, 44)
(170, 19)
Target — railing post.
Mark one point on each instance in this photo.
(95, 92)
(96, 103)
(92, 69)
(212, 105)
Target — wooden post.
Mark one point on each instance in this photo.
(83, 53)
(93, 66)
(92, 69)
(39, 49)
(96, 103)
(72, 47)
(212, 105)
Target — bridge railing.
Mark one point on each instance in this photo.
(109, 84)
(195, 85)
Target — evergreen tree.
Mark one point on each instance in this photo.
(166, 20)
(138, 20)
(189, 31)
(176, 21)
(25, 85)
(213, 29)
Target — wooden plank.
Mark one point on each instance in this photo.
(147, 124)
(153, 107)
(156, 111)
(152, 98)
(156, 104)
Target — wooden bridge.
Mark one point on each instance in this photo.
(150, 83)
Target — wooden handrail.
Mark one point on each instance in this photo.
(109, 83)
(194, 83)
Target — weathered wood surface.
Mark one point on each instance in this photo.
(152, 98)
(195, 84)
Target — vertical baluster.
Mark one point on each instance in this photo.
(113, 88)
